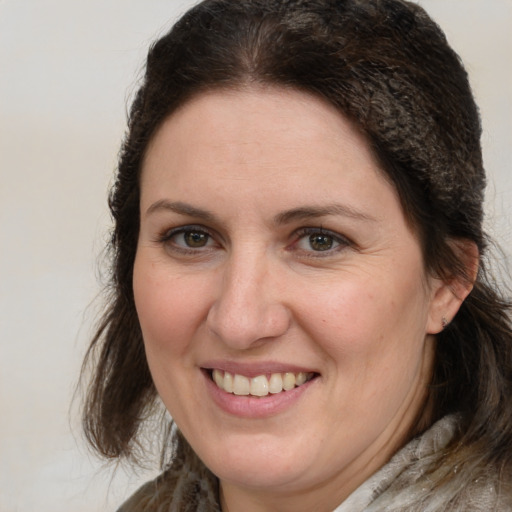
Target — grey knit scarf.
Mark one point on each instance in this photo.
(405, 484)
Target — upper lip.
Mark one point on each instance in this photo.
(255, 368)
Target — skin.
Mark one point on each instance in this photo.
(362, 314)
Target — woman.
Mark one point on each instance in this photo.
(298, 269)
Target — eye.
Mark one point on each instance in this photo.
(319, 240)
(187, 238)
(195, 239)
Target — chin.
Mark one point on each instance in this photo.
(258, 462)
(281, 477)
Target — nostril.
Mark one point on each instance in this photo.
(247, 327)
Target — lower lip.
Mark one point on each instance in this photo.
(255, 407)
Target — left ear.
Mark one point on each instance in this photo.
(449, 293)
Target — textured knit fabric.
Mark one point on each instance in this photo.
(187, 486)
(404, 484)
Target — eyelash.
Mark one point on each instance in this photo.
(167, 237)
(340, 242)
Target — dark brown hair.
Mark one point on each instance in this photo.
(385, 65)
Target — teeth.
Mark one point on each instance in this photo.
(228, 382)
(241, 385)
(260, 385)
(218, 378)
(301, 378)
(275, 384)
(288, 381)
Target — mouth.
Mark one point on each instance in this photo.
(260, 385)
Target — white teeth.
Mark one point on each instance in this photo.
(260, 385)
(288, 381)
(241, 385)
(228, 383)
(275, 384)
(218, 378)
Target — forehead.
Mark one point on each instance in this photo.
(262, 133)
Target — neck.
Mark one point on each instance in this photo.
(234, 499)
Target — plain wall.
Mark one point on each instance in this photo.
(67, 69)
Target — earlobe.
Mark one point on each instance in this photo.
(449, 293)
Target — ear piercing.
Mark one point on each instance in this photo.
(444, 322)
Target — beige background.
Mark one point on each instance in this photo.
(67, 68)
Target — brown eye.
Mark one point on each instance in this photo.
(187, 238)
(195, 239)
(321, 242)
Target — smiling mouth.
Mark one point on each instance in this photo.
(261, 385)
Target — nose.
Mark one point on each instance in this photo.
(248, 308)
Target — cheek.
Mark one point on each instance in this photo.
(370, 325)
(374, 339)
(167, 315)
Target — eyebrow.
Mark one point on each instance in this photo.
(313, 212)
(293, 215)
(181, 209)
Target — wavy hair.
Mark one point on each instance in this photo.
(388, 67)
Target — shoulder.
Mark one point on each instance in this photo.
(150, 496)
(168, 492)
(483, 494)
(419, 478)
(432, 480)
(186, 486)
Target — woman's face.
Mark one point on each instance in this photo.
(275, 257)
